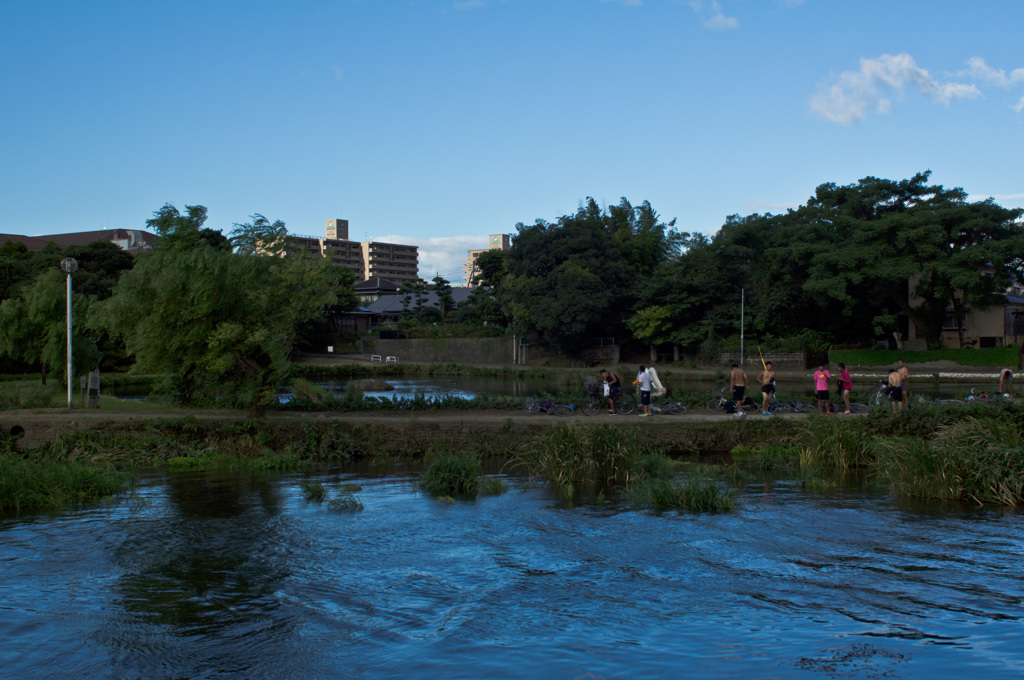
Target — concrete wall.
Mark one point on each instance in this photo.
(494, 351)
(497, 351)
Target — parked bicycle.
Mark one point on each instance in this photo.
(719, 404)
(532, 407)
(668, 408)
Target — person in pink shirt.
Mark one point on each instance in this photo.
(845, 386)
(821, 378)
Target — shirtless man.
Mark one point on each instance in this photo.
(904, 379)
(767, 380)
(1006, 379)
(896, 389)
(738, 380)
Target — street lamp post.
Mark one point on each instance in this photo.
(69, 265)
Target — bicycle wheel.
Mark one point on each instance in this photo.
(877, 400)
(531, 408)
(714, 405)
(781, 407)
(858, 408)
(802, 407)
(592, 406)
(562, 410)
(625, 404)
(673, 408)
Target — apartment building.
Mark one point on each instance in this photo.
(469, 267)
(366, 260)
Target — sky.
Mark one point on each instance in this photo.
(437, 122)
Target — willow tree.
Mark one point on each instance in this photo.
(217, 320)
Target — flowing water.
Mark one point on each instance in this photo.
(207, 576)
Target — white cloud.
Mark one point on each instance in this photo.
(1020, 105)
(977, 69)
(854, 94)
(711, 14)
(443, 254)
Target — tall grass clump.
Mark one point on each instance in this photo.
(697, 491)
(452, 475)
(833, 444)
(975, 459)
(39, 485)
(571, 455)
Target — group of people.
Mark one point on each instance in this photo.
(613, 386)
(898, 378)
(898, 383)
(739, 382)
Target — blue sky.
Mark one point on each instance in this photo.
(437, 122)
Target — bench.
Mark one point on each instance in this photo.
(391, 360)
(375, 357)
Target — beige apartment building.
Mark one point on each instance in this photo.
(469, 268)
(392, 261)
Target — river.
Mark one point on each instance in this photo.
(212, 576)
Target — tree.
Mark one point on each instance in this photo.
(445, 301)
(212, 318)
(924, 248)
(33, 325)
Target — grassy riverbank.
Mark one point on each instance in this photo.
(958, 452)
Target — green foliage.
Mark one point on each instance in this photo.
(694, 493)
(569, 456)
(40, 485)
(577, 279)
(453, 475)
(33, 324)
(979, 460)
(213, 319)
(36, 396)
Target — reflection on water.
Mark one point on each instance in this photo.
(241, 577)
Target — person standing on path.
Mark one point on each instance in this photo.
(612, 381)
(739, 381)
(1006, 379)
(645, 381)
(896, 389)
(845, 386)
(767, 380)
(821, 378)
(904, 372)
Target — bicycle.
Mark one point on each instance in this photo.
(717, 404)
(532, 407)
(668, 408)
(625, 404)
(880, 398)
(776, 406)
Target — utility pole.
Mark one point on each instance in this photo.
(69, 265)
(743, 294)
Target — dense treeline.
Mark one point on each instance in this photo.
(840, 268)
(213, 312)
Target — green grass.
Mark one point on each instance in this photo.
(697, 491)
(40, 485)
(452, 475)
(995, 357)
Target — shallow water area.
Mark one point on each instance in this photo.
(206, 575)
